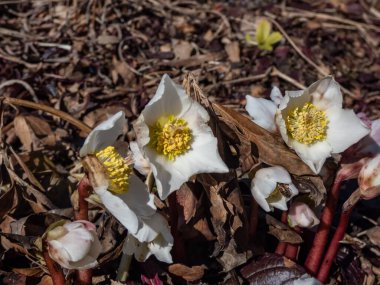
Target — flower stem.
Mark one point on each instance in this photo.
(54, 269)
(83, 277)
(334, 245)
(125, 263)
(315, 255)
(281, 247)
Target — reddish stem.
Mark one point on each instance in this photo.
(54, 269)
(315, 255)
(281, 247)
(84, 277)
(254, 219)
(292, 249)
(334, 246)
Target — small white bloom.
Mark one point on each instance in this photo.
(272, 187)
(369, 178)
(173, 134)
(263, 111)
(160, 246)
(74, 245)
(124, 195)
(313, 123)
(306, 280)
(301, 215)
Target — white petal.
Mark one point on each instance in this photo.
(170, 99)
(306, 280)
(138, 198)
(276, 96)
(326, 94)
(77, 243)
(119, 209)
(103, 135)
(262, 111)
(161, 249)
(152, 227)
(140, 163)
(314, 155)
(85, 263)
(59, 254)
(259, 197)
(281, 204)
(344, 129)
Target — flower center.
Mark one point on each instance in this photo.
(307, 125)
(170, 136)
(116, 168)
(280, 191)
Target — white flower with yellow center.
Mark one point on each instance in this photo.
(123, 194)
(173, 133)
(313, 123)
(272, 187)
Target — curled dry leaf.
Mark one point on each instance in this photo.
(374, 235)
(272, 269)
(188, 273)
(187, 200)
(282, 232)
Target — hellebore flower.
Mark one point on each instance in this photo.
(369, 179)
(263, 111)
(272, 187)
(301, 215)
(123, 194)
(313, 123)
(74, 245)
(173, 134)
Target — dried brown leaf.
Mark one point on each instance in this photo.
(188, 273)
(282, 232)
(233, 51)
(187, 200)
(25, 133)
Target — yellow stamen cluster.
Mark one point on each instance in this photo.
(116, 168)
(170, 136)
(307, 125)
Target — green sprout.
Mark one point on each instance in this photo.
(265, 38)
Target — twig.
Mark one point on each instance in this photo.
(19, 102)
(276, 72)
(55, 271)
(21, 82)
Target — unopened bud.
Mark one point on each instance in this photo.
(369, 178)
(301, 215)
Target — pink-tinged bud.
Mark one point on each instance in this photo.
(369, 178)
(301, 215)
(74, 245)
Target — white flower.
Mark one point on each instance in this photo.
(74, 245)
(369, 178)
(263, 111)
(306, 280)
(313, 123)
(123, 194)
(160, 246)
(301, 215)
(173, 134)
(272, 187)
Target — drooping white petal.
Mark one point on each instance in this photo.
(161, 248)
(260, 199)
(262, 111)
(170, 99)
(344, 129)
(280, 204)
(151, 227)
(139, 161)
(276, 95)
(138, 198)
(326, 94)
(314, 155)
(103, 135)
(119, 209)
(306, 280)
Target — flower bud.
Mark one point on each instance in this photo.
(74, 245)
(369, 178)
(301, 215)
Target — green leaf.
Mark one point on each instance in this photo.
(263, 30)
(273, 38)
(265, 46)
